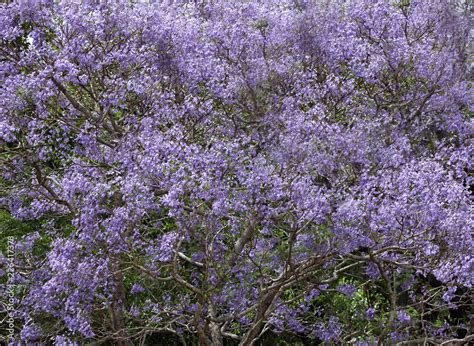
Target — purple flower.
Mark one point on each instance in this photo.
(403, 317)
(31, 333)
(136, 288)
(370, 313)
(348, 290)
(134, 311)
(449, 294)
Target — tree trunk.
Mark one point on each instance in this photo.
(263, 310)
(216, 335)
(121, 336)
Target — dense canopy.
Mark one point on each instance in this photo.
(226, 172)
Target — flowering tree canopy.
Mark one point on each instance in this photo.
(228, 172)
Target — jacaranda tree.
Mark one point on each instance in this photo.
(236, 172)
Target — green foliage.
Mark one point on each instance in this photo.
(11, 227)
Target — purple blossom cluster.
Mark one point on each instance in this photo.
(236, 159)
